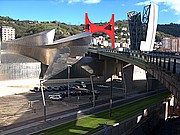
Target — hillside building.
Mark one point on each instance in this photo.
(166, 43)
(171, 44)
(7, 33)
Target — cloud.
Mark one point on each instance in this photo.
(143, 3)
(172, 4)
(73, 1)
(56, 2)
(91, 1)
(164, 10)
(84, 1)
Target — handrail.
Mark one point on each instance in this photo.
(164, 67)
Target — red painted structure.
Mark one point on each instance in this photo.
(107, 28)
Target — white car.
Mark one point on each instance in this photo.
(55, 97)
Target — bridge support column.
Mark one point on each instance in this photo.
(127, 77)
(151, 82)
(111, 67)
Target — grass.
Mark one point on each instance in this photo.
(92, 123)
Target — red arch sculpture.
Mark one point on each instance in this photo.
(107, 28)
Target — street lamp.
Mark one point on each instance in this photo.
(110, 99)
(43, 97)
(68, 66)
(91, 78)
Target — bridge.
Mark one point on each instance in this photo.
(165, 67)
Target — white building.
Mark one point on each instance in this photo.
(166, 43)
(124, 28)
(7, 33)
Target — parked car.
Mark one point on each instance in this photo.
(117, 80)
(62, 88)
(55, 97)
(35, 89)
(77, 87)
(81, 84)
(96, 92)
(49, 88)
(72, 87)
(55, 88)
(66, 94)
(73, 93)
(63, 94)
(88, 92)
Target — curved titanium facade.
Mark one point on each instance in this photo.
(42, 38)
(18, 67)
(56, 54)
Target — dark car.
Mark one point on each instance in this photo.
(35, 89)
(88, 92)
(62, 88)
(63, 94)
(55, 88)
(49, 88)
(73, 93)
(96, 92)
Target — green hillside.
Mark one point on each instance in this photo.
(171, 29)
(29, 27)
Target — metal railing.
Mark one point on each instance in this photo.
(163, 66)
(167, 61)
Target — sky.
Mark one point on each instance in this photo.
(73, 11)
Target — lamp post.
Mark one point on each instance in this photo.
(68, 67)
(43, 97)
(91, 78)
(110, 99)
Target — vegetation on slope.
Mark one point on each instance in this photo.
(29, 27)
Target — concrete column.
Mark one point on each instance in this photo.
(149, 81)
(111, 67)
(127, 76)
(152, 82)
(174, 66)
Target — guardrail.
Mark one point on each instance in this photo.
(167, 61)
(163, 66)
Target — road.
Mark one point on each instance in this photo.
(35, 125)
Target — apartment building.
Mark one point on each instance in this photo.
(174, 44)
(171, 44)
(7, 33)
(166, 43)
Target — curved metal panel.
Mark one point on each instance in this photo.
(44, 55)
(52, 54)
(39, 39)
